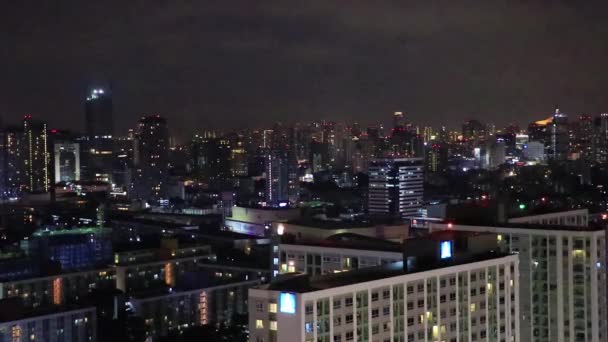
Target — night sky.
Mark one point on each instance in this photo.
(232, 64)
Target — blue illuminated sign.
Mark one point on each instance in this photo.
(446, 249)
(287, 303)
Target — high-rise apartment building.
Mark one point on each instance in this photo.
(28, 161)
(562, 275)
(448, 289)
(13, 163)
(38, 171)
(395, 187)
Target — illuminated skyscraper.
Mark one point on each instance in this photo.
(238, 156)
(98, 147)
(281, 179)
(67, 162)
(558, 137)
(38, 159)
(211, 161)
(151, 158)
(27, 160)
(553, 132)
(436, 157)
(99, 114)
(395, 187)
(13, 163)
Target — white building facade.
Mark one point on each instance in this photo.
(476, 301)
(562, 279)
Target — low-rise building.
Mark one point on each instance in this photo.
(182, 309)
(58, 289)
(77, 325)
(256, 221)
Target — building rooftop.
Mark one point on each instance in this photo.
(73, 231)
(302, 283)
(365, 222)
(351, 241)
(13, 309)
(548, 227)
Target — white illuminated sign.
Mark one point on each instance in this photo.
(287, 303)
(446, 249)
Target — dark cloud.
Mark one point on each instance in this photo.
(207, 64)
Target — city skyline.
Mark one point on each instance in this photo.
(327, 171)
(207, 66)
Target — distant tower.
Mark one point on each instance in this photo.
(398, 119)
(395, 187)
(38, 171)
(281, 179)
(99, 146)
(67, 161)
(99, 114)
(559, 137)
(151, 162)
(27, 158)
(474, 131)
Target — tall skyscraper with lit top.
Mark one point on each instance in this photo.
(99, 125)
(559, 137)
(99, 114)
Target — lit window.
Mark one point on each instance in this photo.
(273, 325)
(272, 307)
(259, 324)
(473, 307)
